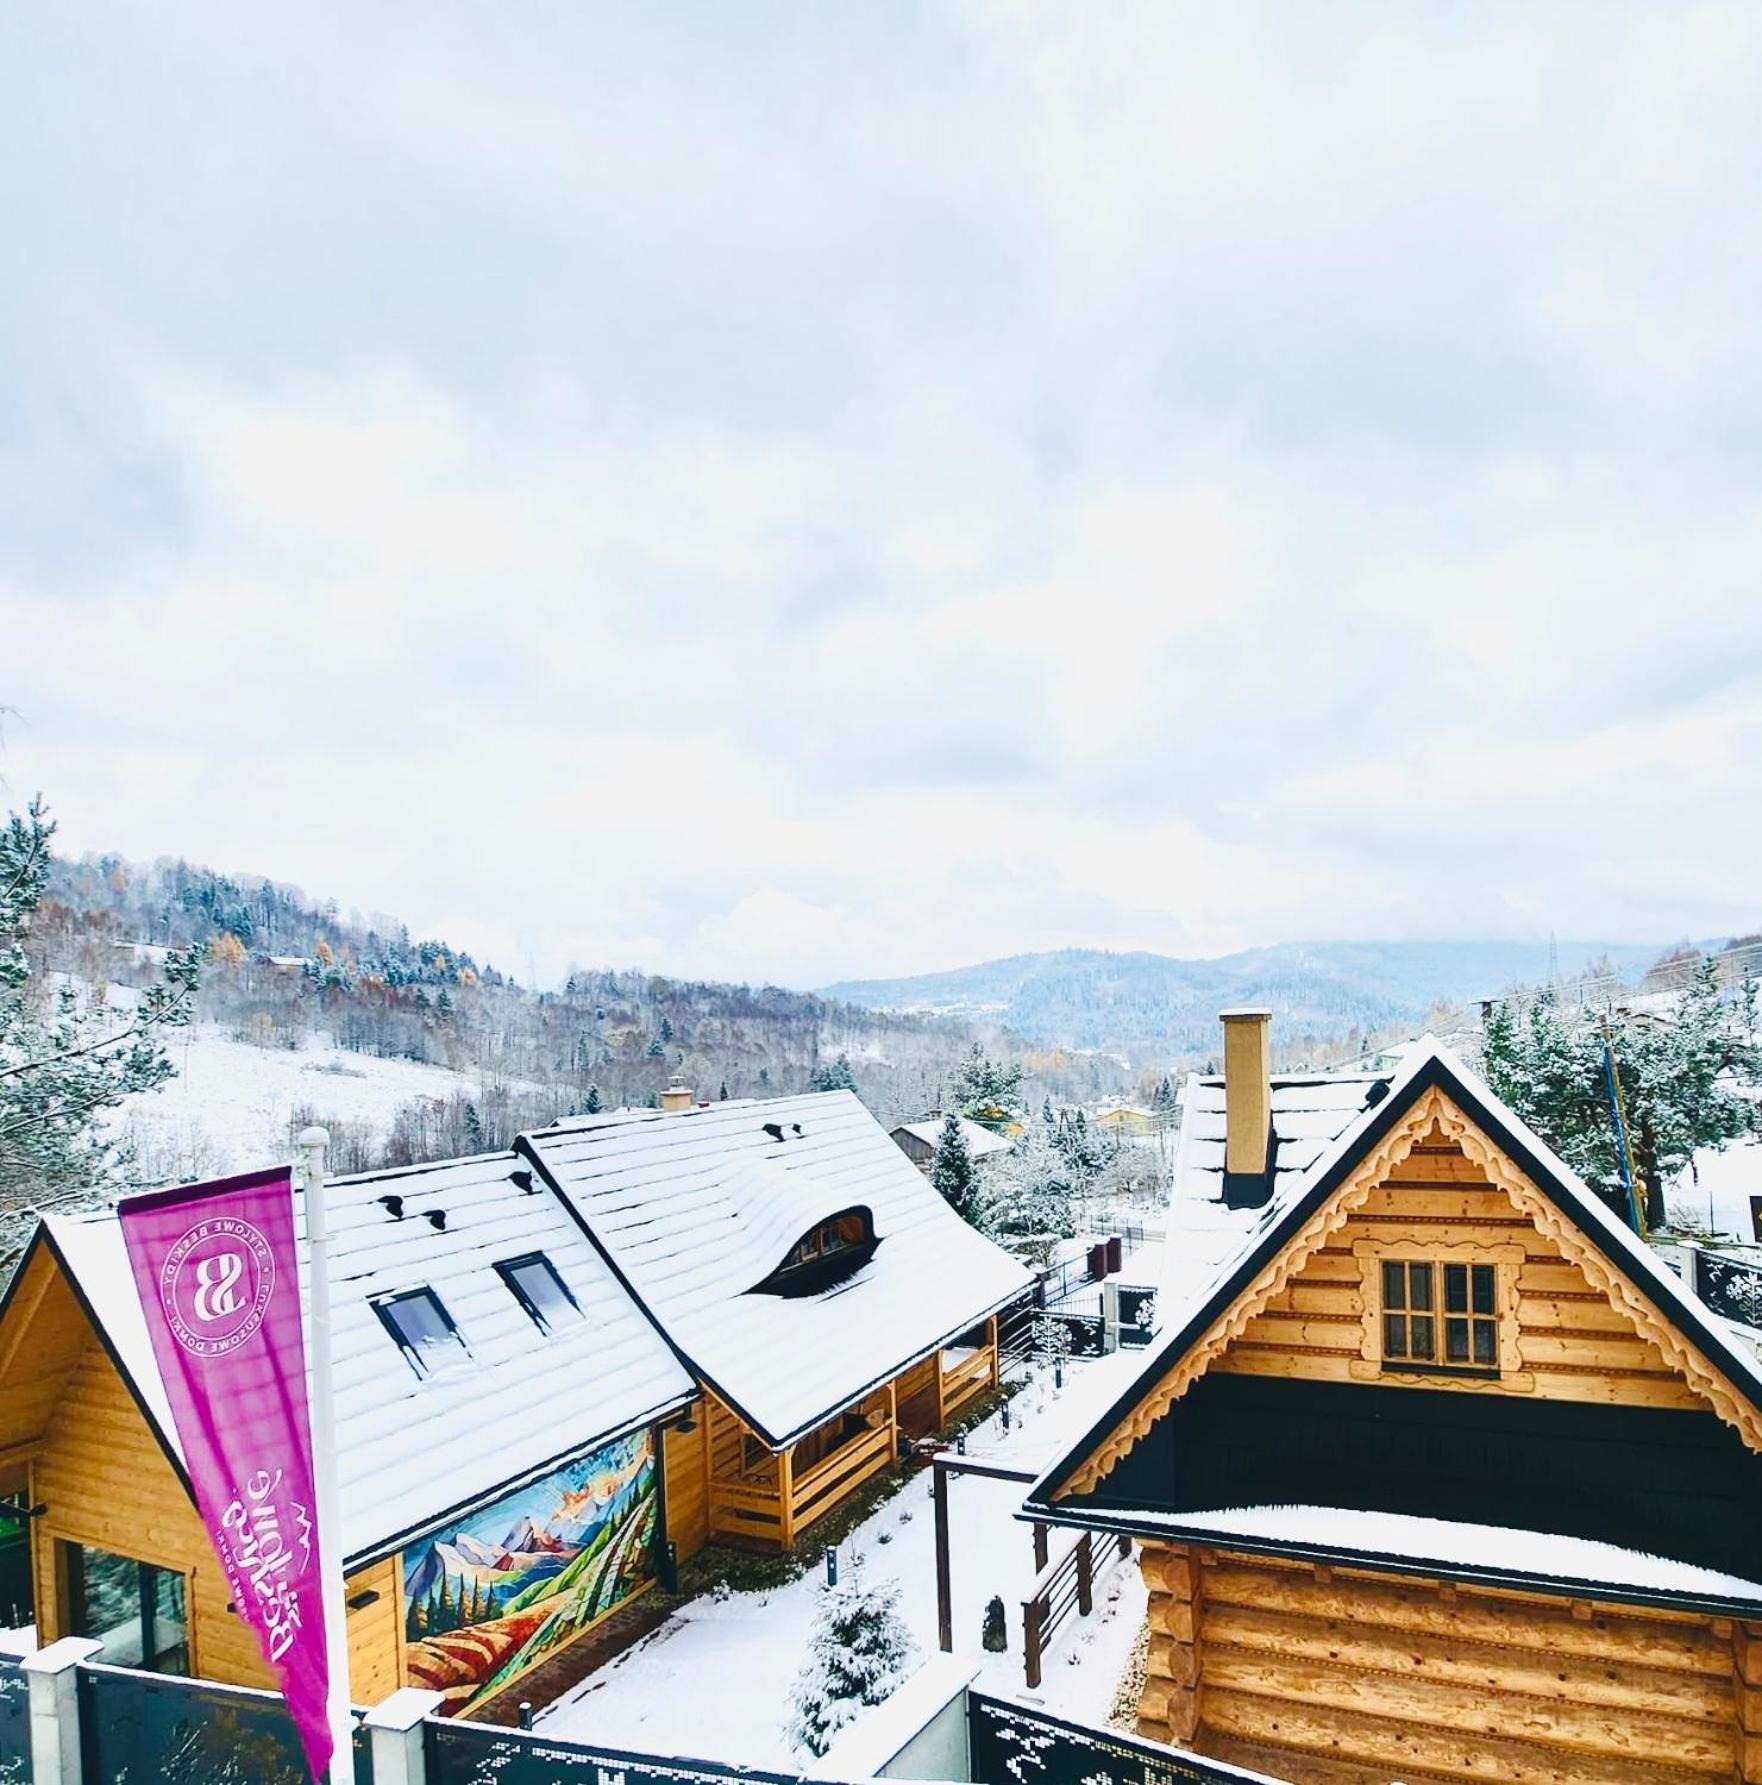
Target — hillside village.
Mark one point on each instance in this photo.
(684, 1368)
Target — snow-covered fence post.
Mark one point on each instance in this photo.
(53, 1673)
(395, 1736)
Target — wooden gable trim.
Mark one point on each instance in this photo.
(1432, 1107)
(1229, 1325)
(1702, 1375)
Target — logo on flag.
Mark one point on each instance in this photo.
(215, 1286)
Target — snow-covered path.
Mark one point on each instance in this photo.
(715, 1679)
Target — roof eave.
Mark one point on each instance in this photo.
(1166, 1529)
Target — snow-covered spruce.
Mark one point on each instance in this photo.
(858, 1653)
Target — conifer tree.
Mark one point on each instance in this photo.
(1682, 1082)
(65, 1062)
(953, 1172)
(834, 1077)
(591, 1104)
(858, 1654)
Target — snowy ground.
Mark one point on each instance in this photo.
(1717, 1187)
(741, 1654)
(231, 1102)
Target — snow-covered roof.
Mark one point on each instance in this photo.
(1268, 1229)
(1310, 1112)
(980, 1141)
(697, 1206)
(412, 1449)
(1447, 1544)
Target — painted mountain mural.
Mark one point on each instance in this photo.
(494, 1595)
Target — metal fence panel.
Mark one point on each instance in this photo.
(461, 1753)
(141, 1727)
(15, 1724)
(1012, 1745)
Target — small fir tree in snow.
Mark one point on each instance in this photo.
(986, 1091)
(834, 1077)
(953, 1173)
(858, 1653)
(592, 1104)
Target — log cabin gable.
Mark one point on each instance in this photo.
(1578, 1353)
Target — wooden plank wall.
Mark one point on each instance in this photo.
(685, 1470)
(1337, 1677)
(106, 1482)
(1574, 1344)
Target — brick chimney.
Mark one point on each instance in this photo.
(1248, 1092)
(678, 1094)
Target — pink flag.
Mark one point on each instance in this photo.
(218, 1276)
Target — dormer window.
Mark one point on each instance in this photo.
(826, 1254)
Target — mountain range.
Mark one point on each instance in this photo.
(1156, 1007)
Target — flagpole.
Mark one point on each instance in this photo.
(312, 1142)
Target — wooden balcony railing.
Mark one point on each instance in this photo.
(966, 1376)
(779, 1505)
(1063, 1587)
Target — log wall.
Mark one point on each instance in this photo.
(1344, 1677)
(1570, 1341)
(105, 1482)
(685, 1469)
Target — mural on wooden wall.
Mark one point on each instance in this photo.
(498, 1592)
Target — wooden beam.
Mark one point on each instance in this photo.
(991, 1340)
(786, 1495)
(944, 1582)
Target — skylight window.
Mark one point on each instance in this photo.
(424, 1330)
(540, 1290)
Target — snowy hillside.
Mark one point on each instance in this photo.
(232, 1104)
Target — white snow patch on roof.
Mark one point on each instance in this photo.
(690, 1203)
(980, 1140)
(1498, 1547)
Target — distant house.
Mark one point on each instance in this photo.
(917, 1140)
(828, 1301)
(1437, 1471)
(1128, 1121)
(502, 1404)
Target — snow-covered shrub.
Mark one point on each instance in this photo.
(994, 1637)
(858, 1653)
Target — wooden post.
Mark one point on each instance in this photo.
(940, 1415)
(786, 1495)
(893, 1420)
(1033, 1612)
(1085, 1576)
(944, 1584)
(1039, 1545)
(996, 1360)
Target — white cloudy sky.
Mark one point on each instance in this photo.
(794, 491)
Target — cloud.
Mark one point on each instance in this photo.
(861, 493)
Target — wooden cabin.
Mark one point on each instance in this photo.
(919, 1140)
(1442, 1476)
(501, 1408)
(830, 1304)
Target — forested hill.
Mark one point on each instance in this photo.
(1152, 1006)
(286, 971)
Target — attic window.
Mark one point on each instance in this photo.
(540, 1290)
(824, 1255)
(424, 1330)
(1463, 1334)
